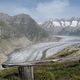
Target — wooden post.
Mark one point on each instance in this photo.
(26, 73)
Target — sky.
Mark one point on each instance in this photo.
(42, 10)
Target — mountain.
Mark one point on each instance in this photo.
(63, 26)
(4, 17)
(20, 25)
(17, 32)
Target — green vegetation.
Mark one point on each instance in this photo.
(56, 71)
(9, 74)
(8, 71)
(69, 51)
(5, 30)
(2, 23)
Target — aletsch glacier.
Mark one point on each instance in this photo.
(36, 51)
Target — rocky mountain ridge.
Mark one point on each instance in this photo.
(20, 25)
(63, 26)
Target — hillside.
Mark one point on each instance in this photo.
(21, 25)
(70, 53)
(9, 45)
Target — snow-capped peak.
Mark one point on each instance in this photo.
(73, 22)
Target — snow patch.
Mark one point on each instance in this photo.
(74, 24)
(56, 24)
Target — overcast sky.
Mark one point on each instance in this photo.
(42, 10)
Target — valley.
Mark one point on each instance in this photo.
(22, 39)
(41, 50)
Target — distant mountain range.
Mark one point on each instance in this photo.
(63, 26)
(20, 25)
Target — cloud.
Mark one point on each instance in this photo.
(42, 12)
(52, 9)
(13, 10)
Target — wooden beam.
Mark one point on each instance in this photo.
(31, 63)
(26, 73)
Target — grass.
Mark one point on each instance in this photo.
(58, 71)
(65, 52)
(8, 71)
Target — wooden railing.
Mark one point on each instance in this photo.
(25, 70)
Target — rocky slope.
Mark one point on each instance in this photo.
(20, 25)
(63, 26)
(9, 45)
